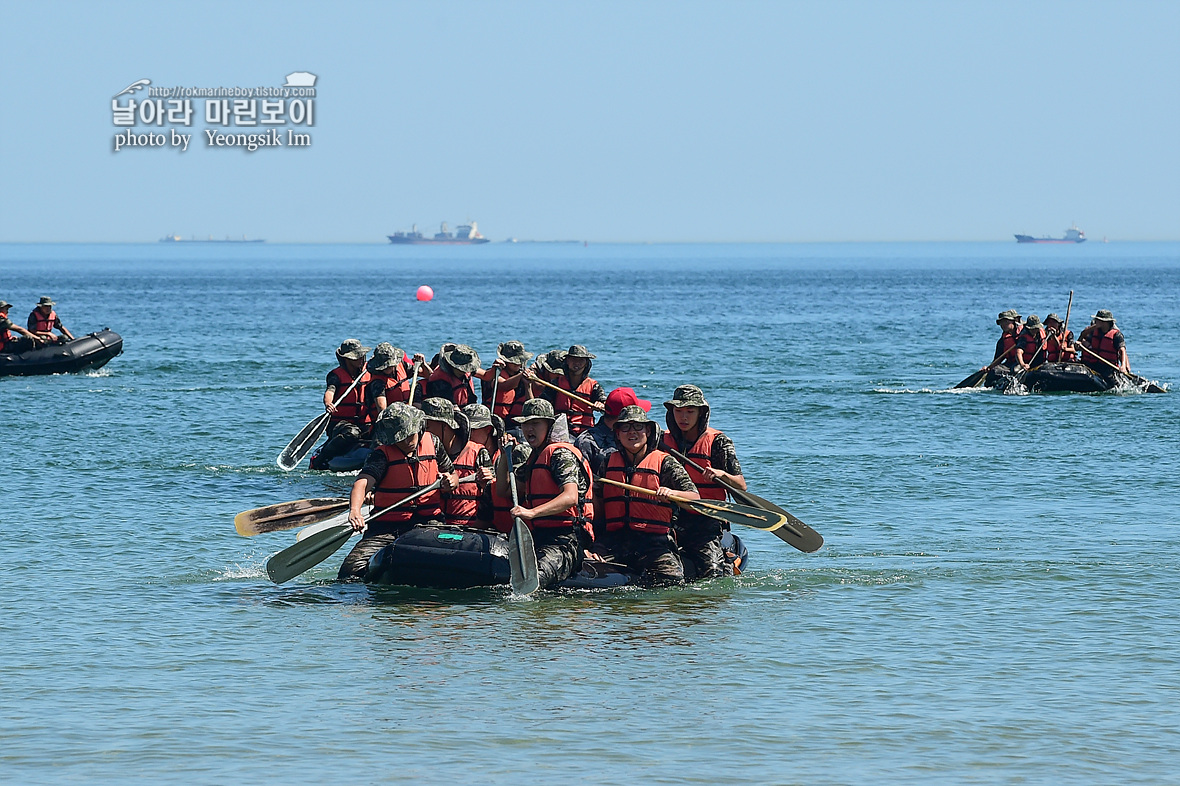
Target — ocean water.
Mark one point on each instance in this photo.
(998, 600)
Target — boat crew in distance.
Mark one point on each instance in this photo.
(349, 418)
(1106, 341)
(43, 320)
(1058, 348)
(9, 342)
(689, 433)
(1030, 342)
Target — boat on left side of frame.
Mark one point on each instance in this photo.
(84, 353)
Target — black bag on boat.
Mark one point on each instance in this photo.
(442, 558)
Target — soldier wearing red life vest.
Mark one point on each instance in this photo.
(576, 379)
(553, 494)
(1030, 343)
(390, 373)
(549, 366)
(1058, 348)
(1009, 322)
(636, 529)
(689, 433)
(456, 366)
(513, 389)
(349, 419)
(1106, 341)
(9, 331)
(485, 432)
(461, 505)
(43, 320)
(406, 459)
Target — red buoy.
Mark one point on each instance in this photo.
(425, 293)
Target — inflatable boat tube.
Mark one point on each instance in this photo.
(84, 353)
(1065, 378)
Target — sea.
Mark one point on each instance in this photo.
(997, 600)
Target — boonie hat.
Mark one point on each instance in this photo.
(385, 356)
(398, 422)
(687, 396)
(623, 397)
(4, 304)
(633, 414)
(1053, 318)
(45, 301)
(1009, 314)
(441, 410)
(351, 348)
(551, 361)
(460, 357)
(536, 409)
(513, 352)
(579, 351)
(1104, 315)
(478, 416)
(1032, 322)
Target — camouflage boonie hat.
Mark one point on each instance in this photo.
(633, 413)
(460, 357)
(46, 300)
(478, 416)
(1104, 314)
(398, 422)
(551, 361)
(513, 352)
(442, 410)
(687, 396)
(4, 304)
(1053, 318)
(385, 356)
(1033, 322)
(536, 409)
(351, 348)
(1009, 314)
(579, 351)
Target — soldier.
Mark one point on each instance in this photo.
(635, 528)
(576, 379)
(554, 497)
(1058, 348)
(406, 459)
(596, 442)
(9, 342)
(1104, 339)
(513, 390)
(1029, 342)
(451, 378)
(1009, 322)
(460, 504)
(388, 369)
(689, 433)
(349, 419)
(43, 320)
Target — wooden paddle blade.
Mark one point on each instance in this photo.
(522, 560)
(793, 531)
(287, 515)
(306, 554)
(335, 521)
(303, 443)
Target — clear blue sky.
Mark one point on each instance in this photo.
(626, 121)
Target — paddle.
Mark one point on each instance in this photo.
(1151, 386)
(794, 531)
(313, 550)
(574, 396)
(976, 379)
(305, 440)
(287, 515)
(723, 511)
(522, 554)
(413, 383)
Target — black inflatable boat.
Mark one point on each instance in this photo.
(1049, 378)
(455, 558)
(84, 353)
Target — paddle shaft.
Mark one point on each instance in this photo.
(574, 396)
(1091, 352)
(413, 383)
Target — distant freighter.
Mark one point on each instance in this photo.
(466, 235)
(1072, 235)
(210, 239)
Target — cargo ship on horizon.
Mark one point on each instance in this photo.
(1072, 235)
(464, 235)
(210, 239)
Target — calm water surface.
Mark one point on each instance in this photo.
(998, 600)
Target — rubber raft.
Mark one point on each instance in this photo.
(1050, 378)
(456, 558)
(84, 353)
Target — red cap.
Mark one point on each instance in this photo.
(623, 397)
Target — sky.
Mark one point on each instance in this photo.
(606, 121)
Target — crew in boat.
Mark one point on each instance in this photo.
(453, 431)
(43, 320)
(9, 342)
(390, 373)
(513, 389)
(1009, 322)
(1104, 339)
(689, 433)
(554, 494)
(349, 419)
(1030, 343)
(1059, 348)
(635, 529)
(576, 379)
(405, 460)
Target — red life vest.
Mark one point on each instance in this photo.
(539, 488)
(624, 508)
(1028, 344)
(509, 403)
(352, 407)
(1007, 344)
(1054, 352)
(702, 453)
(501, 518)
(1103, 345)
(403, 476)
(39, 323)
(579, 416)
(462, 503)
(462, 393)
(5, 335)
